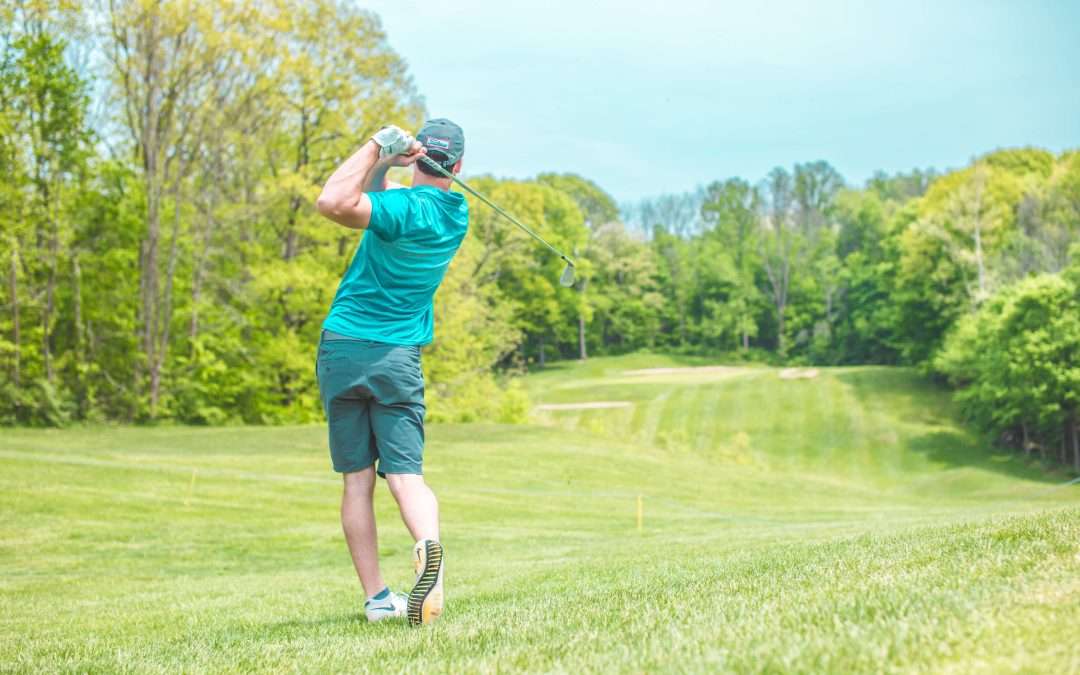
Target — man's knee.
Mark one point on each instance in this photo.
(359, 482)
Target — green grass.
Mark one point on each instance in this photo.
(846, 523)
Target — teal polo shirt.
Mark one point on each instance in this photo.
(386, 294)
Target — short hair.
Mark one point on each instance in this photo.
(440, 159)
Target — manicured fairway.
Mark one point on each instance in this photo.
(844, 523)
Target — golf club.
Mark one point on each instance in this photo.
(566, 278)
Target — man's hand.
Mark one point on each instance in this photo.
(408, 157)
(397, 147)
(392, 141)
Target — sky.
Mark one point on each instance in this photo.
(649, 98)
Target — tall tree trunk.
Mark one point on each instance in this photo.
(50, 302)
(13, 289)
(781, 345)
(778, 273)
(196, 298)
(543, 357)
(149, 260)
(148, 252)
(292, 237)
(200, 270)
(979, 258)
(1076, 441)
(163, 318)
(80, 340)
(582, 354)
(581, 337)
(1063, 451)
(980, 180)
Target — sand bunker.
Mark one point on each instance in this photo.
(798, 373)
(585, 405)
(699, 370)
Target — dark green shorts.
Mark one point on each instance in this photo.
(373, 396)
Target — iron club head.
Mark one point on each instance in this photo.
(567, 277)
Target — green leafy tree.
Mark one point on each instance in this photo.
(526, 273)
(46, 149)
(1015, 363)
(626, 301)
(599, 210)
(731, 212)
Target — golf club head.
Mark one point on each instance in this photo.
(567, 278)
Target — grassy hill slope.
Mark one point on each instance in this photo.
(844, 522)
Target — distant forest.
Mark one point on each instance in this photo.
(163, 261)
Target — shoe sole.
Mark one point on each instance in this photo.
(425, 600)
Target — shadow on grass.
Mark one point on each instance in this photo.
(913, 399)
(962, 449)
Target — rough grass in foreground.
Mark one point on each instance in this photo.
(840, 524)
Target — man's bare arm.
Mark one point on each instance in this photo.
(344, 199)
(375, 181)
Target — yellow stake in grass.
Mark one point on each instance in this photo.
(640, 512)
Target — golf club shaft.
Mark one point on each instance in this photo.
(434, 165)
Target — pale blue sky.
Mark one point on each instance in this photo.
(659, 97)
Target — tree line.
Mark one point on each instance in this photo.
(163, 260)
(970, 275)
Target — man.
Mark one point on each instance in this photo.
(368, 366)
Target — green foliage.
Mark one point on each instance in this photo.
(176, 269)
(1022, 161)
(473, 332)
(901, 187)
(524, 273)
(36, 403)
(1016, 363)
(978, 230)
(45, 151)
(624, 302)
(597, 206)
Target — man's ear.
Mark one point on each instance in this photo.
(457, 167)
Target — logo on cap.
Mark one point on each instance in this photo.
(441, 143)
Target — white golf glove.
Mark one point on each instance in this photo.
(392, 141)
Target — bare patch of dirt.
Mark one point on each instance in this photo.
(699, 370)
(798, 373)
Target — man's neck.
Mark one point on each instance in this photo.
(421, 178)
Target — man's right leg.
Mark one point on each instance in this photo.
(420, 511)
(358, 522)
(397, 422)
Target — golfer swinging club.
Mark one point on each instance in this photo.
(368, 366)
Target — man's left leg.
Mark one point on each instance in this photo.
(417, 503)
(420, 511)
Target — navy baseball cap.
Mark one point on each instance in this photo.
(444, 140)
